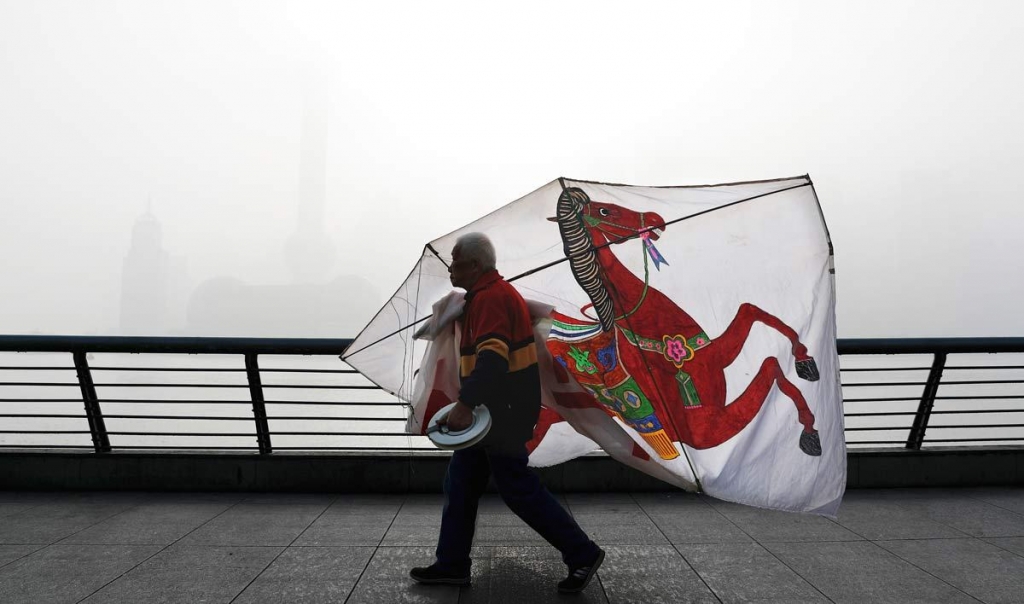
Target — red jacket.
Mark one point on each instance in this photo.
(498, 365)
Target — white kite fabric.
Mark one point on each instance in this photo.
(690, 333)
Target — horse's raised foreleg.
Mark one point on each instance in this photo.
(730, 343)
(736, 415)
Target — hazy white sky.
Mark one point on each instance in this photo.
(906, 115)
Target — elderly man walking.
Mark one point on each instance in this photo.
(499, 369)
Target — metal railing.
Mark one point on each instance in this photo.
(911, 393)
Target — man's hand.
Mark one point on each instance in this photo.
(459, 418)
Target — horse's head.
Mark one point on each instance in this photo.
(607, 222)
(587, 227)
(617, 224)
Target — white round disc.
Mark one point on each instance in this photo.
(443, 439)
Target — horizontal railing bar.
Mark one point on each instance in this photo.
(955, 411)
(223, 370)
(75, 384)
(89, 447)
(939, 413)
(967, 397)
(971, 382)
(876, 384)
(894, 346)
(171, 369)
(321, 419)
(217, 434)
(334, 346)
(393, 448)
(173, 401)
(123, 447)
(224, 434)
(882, 399)
(856, 369)
(224, 448)
(44, 432)
(294, 386)
(942, 383)
(272, 370)
(199, 417)
(971, 440)
(373, 434)
(38, 415)
(40, 400)
(957, 367)
(355, 403)
(401, 404)
(901, 442)
(353, 371)
(402, 419)
(176, 345)
(312, 386)
(414, 449)
(880, 413)
(11, 368)
(964, 397)
(212, 434)
(871, 428)
(374, 387)
(934, 426)
(124, 400)
(961, 367)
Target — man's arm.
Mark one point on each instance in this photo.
(491, 319)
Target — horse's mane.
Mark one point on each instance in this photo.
(579, 249)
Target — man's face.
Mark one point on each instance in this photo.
(462, 272)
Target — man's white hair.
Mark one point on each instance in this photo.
(478, 247)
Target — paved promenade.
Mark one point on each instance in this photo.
(948, 545)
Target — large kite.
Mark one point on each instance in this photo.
(690, 333)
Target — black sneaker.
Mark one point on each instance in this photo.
(580, 577)
(432, 575)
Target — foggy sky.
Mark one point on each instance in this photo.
(905, 114)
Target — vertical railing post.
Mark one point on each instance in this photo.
(924, 408)
(259, 409)
(97, 427)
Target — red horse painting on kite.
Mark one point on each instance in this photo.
(644, 359)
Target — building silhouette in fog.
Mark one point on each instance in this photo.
(152, 282)
(144, 280)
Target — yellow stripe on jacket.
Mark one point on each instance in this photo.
(468, 361)
(494, 345)
(518, 359)
(522, 358)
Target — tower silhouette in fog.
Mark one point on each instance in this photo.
(152, 283)
(317, 301)
(144, 278)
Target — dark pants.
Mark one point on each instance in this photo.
(521, 490)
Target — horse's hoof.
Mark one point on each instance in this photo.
(810, 443)
(807, 369)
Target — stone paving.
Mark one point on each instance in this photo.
(919, 545)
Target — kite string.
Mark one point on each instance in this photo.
(412, 372)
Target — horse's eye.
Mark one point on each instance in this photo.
(603, 211)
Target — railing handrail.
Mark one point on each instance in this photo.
(243, 345)
(929, 345)
(172, 344)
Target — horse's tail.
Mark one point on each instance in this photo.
(579, 249)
